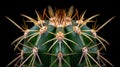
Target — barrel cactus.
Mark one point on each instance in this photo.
(60, 38)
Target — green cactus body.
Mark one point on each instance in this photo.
(60, 41)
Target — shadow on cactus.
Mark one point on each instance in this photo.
(60, 39)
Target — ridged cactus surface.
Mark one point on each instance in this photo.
(60, 38)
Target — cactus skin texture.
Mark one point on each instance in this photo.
(62, 40)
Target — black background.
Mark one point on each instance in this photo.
(13, 9)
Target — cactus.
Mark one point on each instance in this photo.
(60, 39)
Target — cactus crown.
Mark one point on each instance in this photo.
(64, 40)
